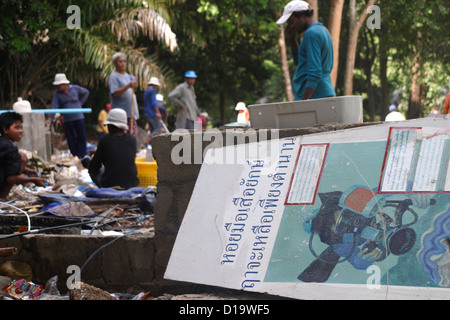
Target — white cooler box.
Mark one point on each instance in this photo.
(300, 114)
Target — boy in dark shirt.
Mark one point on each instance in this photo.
(116, 152)
(13, 164)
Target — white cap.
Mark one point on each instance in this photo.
(290, 8)
(60, 78)
(118, 118)
(154, 81)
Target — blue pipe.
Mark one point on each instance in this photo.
(61, 111)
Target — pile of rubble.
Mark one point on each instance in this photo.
(24, 290)
(71, 195)
(70, 204)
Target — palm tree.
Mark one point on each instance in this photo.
(128, 21)
(39, 44)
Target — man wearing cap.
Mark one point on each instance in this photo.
(314, 56)
(69, 96)
(183, 96)
(151, 109)
(121, 88)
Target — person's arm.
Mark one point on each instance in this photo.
(21, 179)
(291, 35)
(96, 164)
(313, 66)
(83, 94)
(102, 117)
(154, 103)
(122, 90)
(113, 83)
(308, 93)
(175, 96)
(55, 105)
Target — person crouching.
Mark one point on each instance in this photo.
(113, 163)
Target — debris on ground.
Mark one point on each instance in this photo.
(84, 291)
(70, 204)
(72, 195)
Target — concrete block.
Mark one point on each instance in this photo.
(35, 135)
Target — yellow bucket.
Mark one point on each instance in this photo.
(147, 172)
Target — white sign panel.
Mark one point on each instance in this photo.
(339, 215)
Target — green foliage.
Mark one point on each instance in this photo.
(37, 43)
(237, 55)
(231, 44)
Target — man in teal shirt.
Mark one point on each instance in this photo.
(314, 56)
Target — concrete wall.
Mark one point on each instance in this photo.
(123, 265)
(36, 136)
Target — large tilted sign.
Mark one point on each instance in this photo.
(356, 214)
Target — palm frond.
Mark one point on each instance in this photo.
(131, 23)
(142, 66)
(98, 53)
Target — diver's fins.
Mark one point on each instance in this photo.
(319, 270)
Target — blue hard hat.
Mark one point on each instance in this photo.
(190, 74)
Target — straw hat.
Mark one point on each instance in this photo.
(60, 78)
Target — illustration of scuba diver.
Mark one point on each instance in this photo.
(357, 228)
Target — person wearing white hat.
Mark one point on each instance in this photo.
(113, 164)
(243, 114)
(71, 96)
(151, 109)
(314, 55)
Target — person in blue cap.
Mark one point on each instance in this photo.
(183, 96)
(314, 55)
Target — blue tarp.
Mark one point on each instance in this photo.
(92, 195)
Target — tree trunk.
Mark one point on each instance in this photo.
(368, 62)
(222, 99)
(334, 26)
(414, 108)
(284, 66)
(355, 26)
(313, 5)
(383, 73)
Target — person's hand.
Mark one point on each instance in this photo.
(30, 172)
(290, 32)
(41, 182)
(133, 82)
